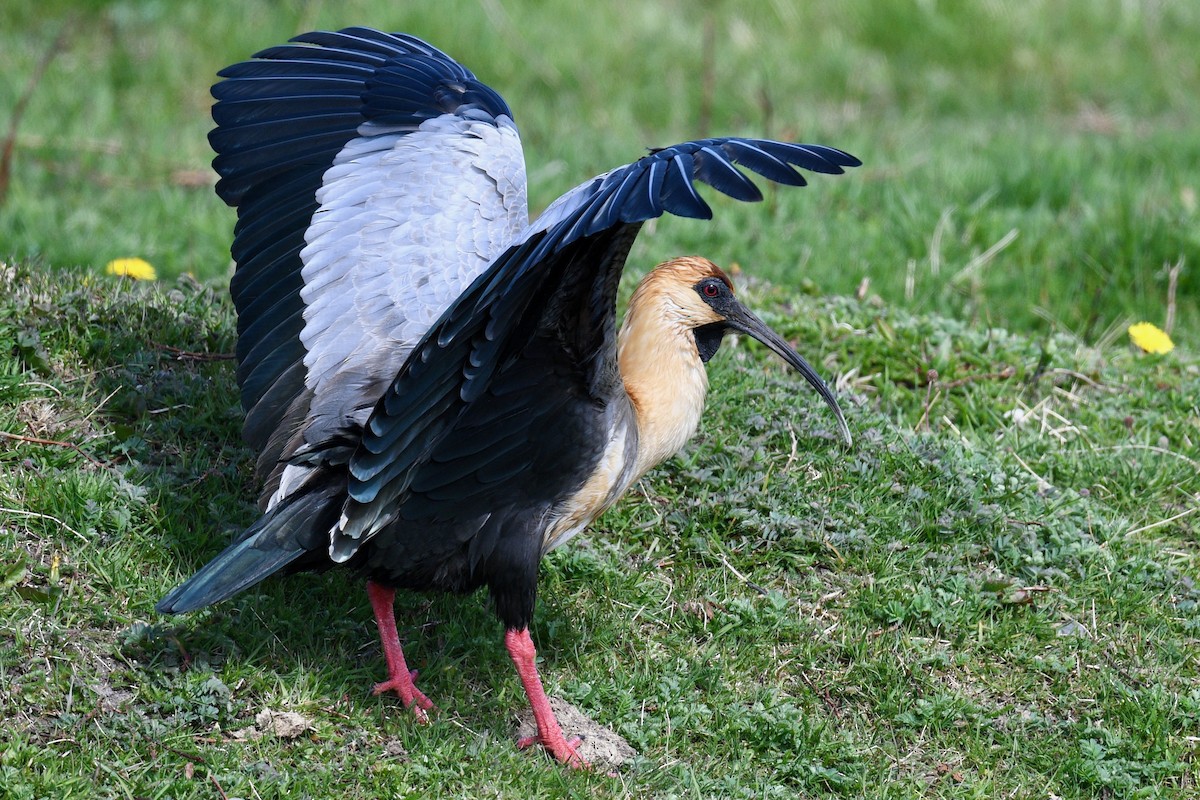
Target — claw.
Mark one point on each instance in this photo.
(410, 696)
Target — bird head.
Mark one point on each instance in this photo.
(698, 296)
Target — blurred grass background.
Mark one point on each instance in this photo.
(1028, 164)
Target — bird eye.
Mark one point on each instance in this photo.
(711, 290)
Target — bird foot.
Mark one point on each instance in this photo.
(405, 686)
(563, 749)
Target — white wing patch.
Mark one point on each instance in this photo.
(406, 221)
(291, 479)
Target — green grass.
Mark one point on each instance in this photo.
(1070, 123)
(993, 593)
(768, 615)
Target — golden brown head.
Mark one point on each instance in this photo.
(692, 296)
(676, 290)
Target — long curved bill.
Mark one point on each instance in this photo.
(742, 319)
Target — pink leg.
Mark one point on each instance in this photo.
(549, 735)
(399, 678)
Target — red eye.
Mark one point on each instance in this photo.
(711, 290)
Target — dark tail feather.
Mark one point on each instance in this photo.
(296, 527)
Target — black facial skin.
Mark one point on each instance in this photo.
(718, 296)
(708, 339)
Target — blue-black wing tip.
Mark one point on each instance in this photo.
(850, 160)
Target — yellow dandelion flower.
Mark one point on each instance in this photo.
(136, 268)
(1150, 338)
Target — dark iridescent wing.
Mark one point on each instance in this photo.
(566, 267)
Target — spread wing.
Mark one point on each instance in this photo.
(428, 443)
(374, 179)
(409, 344)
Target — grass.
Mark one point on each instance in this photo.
(992, 594)
(1068, 124)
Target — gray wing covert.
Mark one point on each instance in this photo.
(374, 178)
(406, 222)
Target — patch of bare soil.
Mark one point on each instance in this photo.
(600, 746)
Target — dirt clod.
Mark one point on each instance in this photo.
(600, 746)
(284, 724)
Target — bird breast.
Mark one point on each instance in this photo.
(665, 385)
(612, 475)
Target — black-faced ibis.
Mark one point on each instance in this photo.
(435, 386)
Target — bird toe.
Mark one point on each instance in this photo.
(564, 750)
(410, 697)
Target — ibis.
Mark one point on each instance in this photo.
(434, 384)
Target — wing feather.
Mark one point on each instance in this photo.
(374, 177)
(566, 265)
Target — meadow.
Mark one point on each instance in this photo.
(993, 593)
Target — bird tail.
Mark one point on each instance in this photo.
(294, 528)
